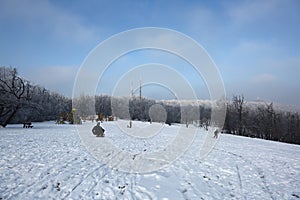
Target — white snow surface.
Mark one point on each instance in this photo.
(50, 161)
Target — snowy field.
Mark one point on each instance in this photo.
(50, 161)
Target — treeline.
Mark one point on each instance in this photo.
(139, 109)
(262, 121)
(21, 101)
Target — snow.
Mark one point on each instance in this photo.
(51, 161)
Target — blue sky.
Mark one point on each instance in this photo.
(255, 44)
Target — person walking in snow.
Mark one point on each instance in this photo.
(216, 133)
(98, 130)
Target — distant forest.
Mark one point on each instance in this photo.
(21, 101)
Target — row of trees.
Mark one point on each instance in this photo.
(142, 109)
(21, 101)
(262, 121)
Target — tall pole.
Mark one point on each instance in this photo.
(140, 90)
(131, 90)
(141, 109)
(131, 97)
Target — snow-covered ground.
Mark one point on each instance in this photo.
(50, 161)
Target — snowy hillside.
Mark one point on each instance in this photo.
(50, 161)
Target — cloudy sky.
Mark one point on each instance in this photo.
(254, 44)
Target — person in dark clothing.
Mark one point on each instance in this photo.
(216, 133)
(27, 124)
(98, 130)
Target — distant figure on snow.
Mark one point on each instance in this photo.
(98, 130)
(216, 133)
(130, 124)
(27, 124)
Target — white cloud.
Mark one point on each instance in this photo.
(252, 46)
(251, 11)
(263, 78)
(201, 18)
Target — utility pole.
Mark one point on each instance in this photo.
(131, 90)
(141, 109)
(131, 98)
(140, 90)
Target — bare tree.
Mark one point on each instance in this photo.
(267, 121)
(189, 114)
(238, 104)
(15, 94)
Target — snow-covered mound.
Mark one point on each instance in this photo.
(49, 161)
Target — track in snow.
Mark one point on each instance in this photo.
(50, 162)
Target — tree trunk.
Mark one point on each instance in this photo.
(4, 124)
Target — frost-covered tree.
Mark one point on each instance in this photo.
(238, 105)
(267, 121)
(189, 114)
(84, 105)
(157, 113)
(21, 101)
(15, 93)
(120, 107)
(173, 114)
(103, 105)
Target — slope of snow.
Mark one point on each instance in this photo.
(51, 162)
